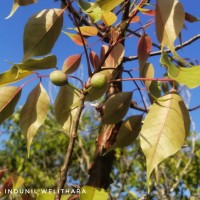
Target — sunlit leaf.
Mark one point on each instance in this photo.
(107, 5)
(88, 30)
(71, 64)
(128, 132)
(18, 3)
(149, 12)
(65, 106)
(144, 49)
(92, 193)
(191, 18)
(187, 76)
(94, 59)
(116, 107)
(17, 181)
(170, 17)
(94, 14)
(147, 72)
(115, 57)
(33, 113)
(76, 38)
(108, 18)
(165, 129)
(13, 75)
(42, 31)
(9, 98)
(33, 64)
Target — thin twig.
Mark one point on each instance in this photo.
(185, 169)
(194, 108)
(155, 53)
(82, 38)
(73, 135)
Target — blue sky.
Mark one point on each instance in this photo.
(11, 45)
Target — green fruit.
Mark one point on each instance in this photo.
(58, 78)
(99, 80)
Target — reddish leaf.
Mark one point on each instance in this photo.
(76, 38)
(2, 171)
(71, 64)
(191, 18)
(7, 185)
(94, 59)
(135, 19)
(144, 49)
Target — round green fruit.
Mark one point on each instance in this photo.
(58, 78)
(98, 80)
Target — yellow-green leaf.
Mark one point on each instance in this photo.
(170, 17)
(107, 5)
(147, 71)
(65, 106)
(13, 75)
(128, 132)
(42, 31)
(165, 129)
(51, 196)
(17, 181)
(76, 38)
(33, 64)
(116, 107)
(9, 98)
(88, 30)
(18, 3)
(92, 193)
(187, 76)
(33, 113)
(108, 18)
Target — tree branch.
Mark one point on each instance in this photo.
(155, 53)
(73, 135)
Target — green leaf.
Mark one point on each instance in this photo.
(41, 32)
(165, 129)
(9, 98)
(18, 3)
(92, 193)
(106, 5)
(51, 196)
(96, 93)
(147, 72)
(33, 113)
(13, 75)
(108, 18)
(65, 106)
(187, 76)
(128, 132)
(47, 62)
(170, 17)
(116, 107)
